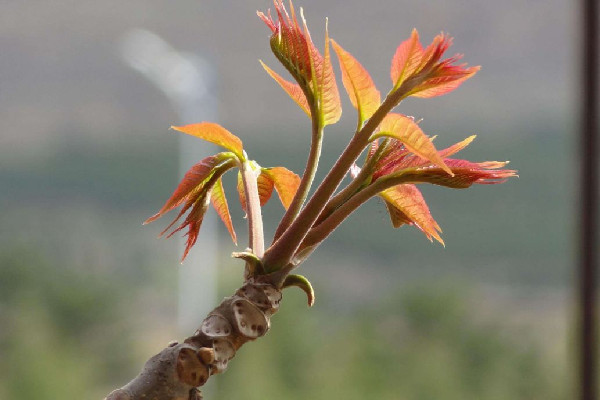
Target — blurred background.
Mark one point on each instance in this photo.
(87, 294)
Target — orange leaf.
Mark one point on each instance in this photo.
(216, 134)
(286, 183)
(190, 185)
(414, 139)
(330, 105)
(241, 192)
(219, 202)
(445, 81)
(407, 206)
(407, 59)
(363, 94)
(264, 185)
(430, 75)
(292, 89)
(265, 188)
(194, 192)
(455, 148)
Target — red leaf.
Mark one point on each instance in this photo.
(393, 157)
(445, 81)
(435, 51)
(414, 139)
(292, 89)
(407, 206)
(296, 51)
(429, 76)
(466, 173)
(193, 222)
(397, 157)
(194, 191)
(286, 183)
(216, 134)
(363, 94)
(190, 185)
(288, 42)
(219, 202)
(407, 59)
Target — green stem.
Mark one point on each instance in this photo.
(283, 249)
(307, 178)
(255, 223)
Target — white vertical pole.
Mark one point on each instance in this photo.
(189, 84)
(198, 274)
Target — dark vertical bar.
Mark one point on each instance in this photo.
(589, 203)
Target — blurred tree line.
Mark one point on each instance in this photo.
(69, 333)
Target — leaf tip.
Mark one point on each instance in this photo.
(302, 283)
(151, 219)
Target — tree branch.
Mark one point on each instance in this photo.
(320, 232)
(177, 371)
(283, 249)
(362, 179)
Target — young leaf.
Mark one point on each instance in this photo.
(432, 54)
(194, 192)
(241, 192)
(193, 221)
(406, 205)
(313, 72)
(216, 134)
(407, 59)
(455, 148)
(444, 81)
(430, 76)
(330, 104)
(363, 94)
(292, 89)
(303, 283)
(397, 157)
(465, 174)
(265, 187)
(219, 202)
(191, 183)
(251, 259)
(414, 139)
(286, 183)
(288, 42)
